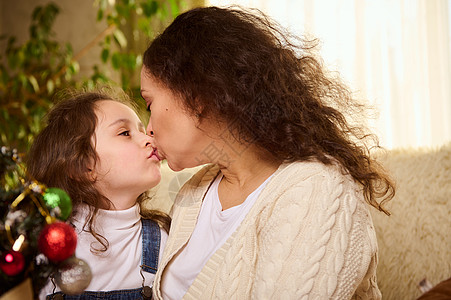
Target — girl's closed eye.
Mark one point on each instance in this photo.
(125, 133)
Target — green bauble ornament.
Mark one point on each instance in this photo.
(58, 202)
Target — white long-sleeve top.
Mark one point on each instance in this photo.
(118, 267)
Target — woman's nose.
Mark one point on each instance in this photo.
(149, 129)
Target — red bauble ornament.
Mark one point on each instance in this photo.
(12, 262)
(57, 241)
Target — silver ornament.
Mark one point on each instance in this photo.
(73, 276)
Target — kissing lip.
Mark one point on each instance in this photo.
(155, 153)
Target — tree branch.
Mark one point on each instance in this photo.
(85, 49)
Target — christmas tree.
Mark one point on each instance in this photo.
(36, 240)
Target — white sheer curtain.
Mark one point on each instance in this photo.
(394, 53)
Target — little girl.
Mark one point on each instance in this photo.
(96, 149)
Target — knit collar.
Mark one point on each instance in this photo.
(109, 220)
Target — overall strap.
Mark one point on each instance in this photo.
(151, 245)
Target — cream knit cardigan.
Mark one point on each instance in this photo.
(309, 235)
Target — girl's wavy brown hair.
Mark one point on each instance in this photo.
(62, 152)
(241, 68)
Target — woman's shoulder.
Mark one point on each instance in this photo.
(312, 191)
(297, 172)
(303, 186)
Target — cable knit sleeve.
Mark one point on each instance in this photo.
(316, 241)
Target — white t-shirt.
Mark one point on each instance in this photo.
(119, 267)
(214, 226)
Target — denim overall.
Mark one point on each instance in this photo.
(150, 249)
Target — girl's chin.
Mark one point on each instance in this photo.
(153, 181)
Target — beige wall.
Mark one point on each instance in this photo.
(1, 16)
(76, 23)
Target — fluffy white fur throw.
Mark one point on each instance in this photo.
(415, 241)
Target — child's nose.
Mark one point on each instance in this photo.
(147, 140)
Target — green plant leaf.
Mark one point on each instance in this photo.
(144, 27)
(174, 7)
(116, 60)
(119, 37)
(105, 54)
(124, 11)
(34, 83)
(149, 8)
(74, 67)
(103, 4)
(50, 86)
(129, 61)
(139, 60)
(100, 14)
(36, 12)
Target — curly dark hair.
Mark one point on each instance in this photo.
(62, 152)
(242, 68)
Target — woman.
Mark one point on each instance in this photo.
(281, 211)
